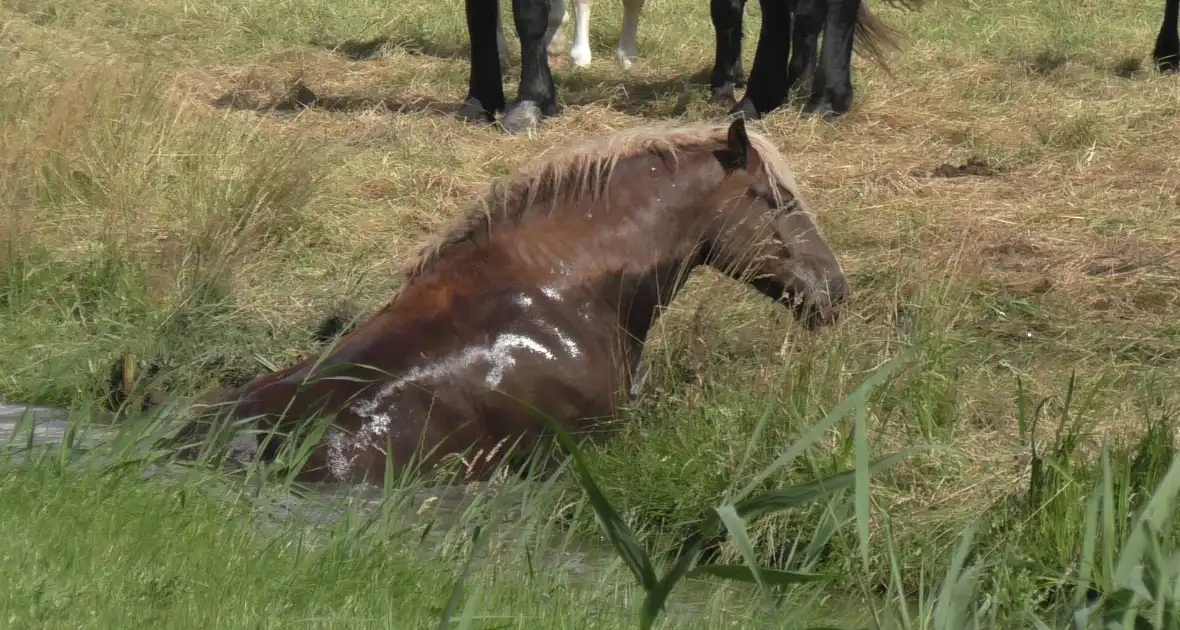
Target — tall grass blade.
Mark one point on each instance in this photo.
(657, 597)
(950, 610)
(832, 519)
(620, 535)
(861, 493)
(737, 531)
(1109, 535)
(755, 437)
(1158, 508)
(856, 399)
(802, 494)
(477, 539)
(1089, 541)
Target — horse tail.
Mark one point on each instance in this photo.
(871, 36)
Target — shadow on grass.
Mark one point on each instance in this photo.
(414, 44)
(1048, 61)
(299, 97)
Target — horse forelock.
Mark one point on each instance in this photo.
(571, 176)
(777, 170)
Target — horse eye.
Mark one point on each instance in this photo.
(760, 192)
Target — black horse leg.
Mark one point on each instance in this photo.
(727, 62)
(768, 77)
(809, 22)
(831, 94)
(1167, 44)
(537, 97)
(485, 89)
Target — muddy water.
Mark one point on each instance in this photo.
(446, 508)
(50, 424)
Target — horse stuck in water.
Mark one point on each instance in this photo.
(543, 293)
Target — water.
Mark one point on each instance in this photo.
(50, 424)
(441, 517)
(447, 509)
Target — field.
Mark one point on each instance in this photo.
(1005, 200)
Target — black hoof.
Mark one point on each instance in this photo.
(724, 95)
(1166, 52)
(473, 111)
(746, 110)
(522, 116)
(824, 110)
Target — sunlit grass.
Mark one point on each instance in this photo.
(139, 212)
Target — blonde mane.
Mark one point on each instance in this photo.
(583, 173)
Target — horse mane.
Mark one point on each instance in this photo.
(582, 174)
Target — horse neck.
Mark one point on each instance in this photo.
(643, 296)
(647, 265)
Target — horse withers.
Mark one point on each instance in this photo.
(543, 295)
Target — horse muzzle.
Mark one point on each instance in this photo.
(818, 304)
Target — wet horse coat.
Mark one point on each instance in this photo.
(544, 293)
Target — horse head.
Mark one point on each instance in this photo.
(764, 235)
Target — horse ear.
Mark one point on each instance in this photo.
(738, 142)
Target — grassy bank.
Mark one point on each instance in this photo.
(147, 202)
(85, 550)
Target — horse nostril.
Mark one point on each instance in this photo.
(835, 290)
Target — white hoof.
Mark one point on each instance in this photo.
(580, 56)
(625, 58)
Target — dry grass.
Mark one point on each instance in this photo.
(139, 127)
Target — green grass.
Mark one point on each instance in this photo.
(105, 552)
(135, 214)
(93, 541)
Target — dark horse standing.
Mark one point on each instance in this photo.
(786, 53)
(537, 95)
(770, 78)
(842, 22)
(544, 293)
(788, 50)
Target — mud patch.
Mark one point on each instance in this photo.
(1019, 267)
(975, 166)
(1018, 254)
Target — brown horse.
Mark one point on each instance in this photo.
(544, 293)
